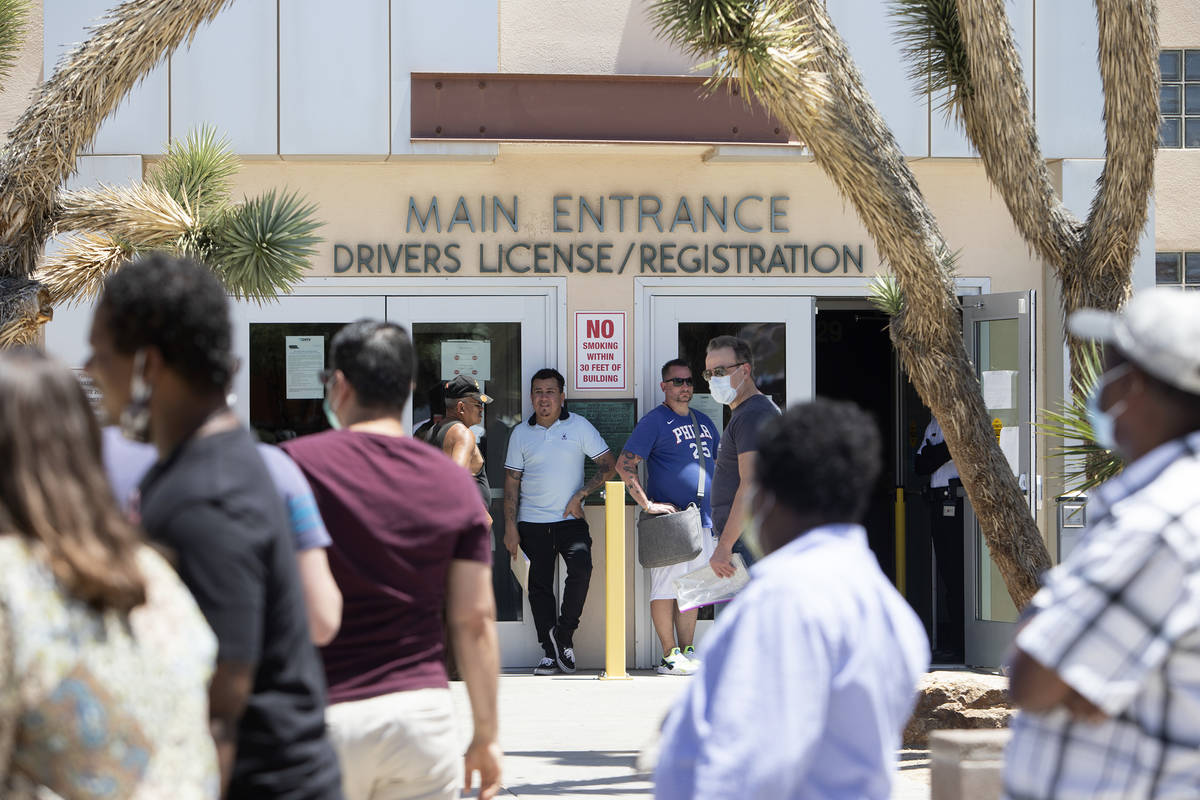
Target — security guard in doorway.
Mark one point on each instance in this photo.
(944, 499)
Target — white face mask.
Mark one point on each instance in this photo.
(722, 390)
(1104, 423)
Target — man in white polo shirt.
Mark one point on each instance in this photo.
(543, 511)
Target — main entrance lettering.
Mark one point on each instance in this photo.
(708, 235)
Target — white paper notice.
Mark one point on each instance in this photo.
(1010, 445)
(998, 388)
(305, 360)
(467, 357)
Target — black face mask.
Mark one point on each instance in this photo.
(135, 417)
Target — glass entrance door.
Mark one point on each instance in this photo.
(998, 331)
(500, 341)
(283, 345)
(780, 329)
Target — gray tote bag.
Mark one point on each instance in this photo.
(666, 539)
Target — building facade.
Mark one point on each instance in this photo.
(529, 183)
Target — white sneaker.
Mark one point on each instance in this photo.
(545, 667)
(691, 655)
(675, 663)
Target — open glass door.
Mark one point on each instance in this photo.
(998, 332)
(500, 341)
(780, 330)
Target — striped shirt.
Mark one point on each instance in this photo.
(1119, 622)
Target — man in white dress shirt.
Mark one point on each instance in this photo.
(810, 676)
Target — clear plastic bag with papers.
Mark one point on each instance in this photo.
(704, 588)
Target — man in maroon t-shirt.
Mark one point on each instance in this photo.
(409, 538)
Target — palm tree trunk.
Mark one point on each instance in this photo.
(1093, 260)
(851, 143)
(66, 113)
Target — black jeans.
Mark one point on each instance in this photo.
(543, 542)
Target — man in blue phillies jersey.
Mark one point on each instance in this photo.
(679, 462)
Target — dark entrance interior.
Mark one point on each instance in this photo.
(855, 361)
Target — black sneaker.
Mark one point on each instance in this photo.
(545, 667)
(565, 656)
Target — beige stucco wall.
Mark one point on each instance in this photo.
(26, 74)
(1178, 23)
(1177, 172)
(1177, 199)
(368, 203)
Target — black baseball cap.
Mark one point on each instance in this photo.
(461, 386)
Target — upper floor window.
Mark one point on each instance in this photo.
(1177, 269)
(1179, 98)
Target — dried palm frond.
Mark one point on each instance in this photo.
(14, 22)
(77, 271)
(142, 215)
(761, 45)
(24, 306)
(66, 113)
(197, 171)
(1086, 464)
(931, 42)
(263, 246)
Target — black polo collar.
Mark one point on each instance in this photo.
(561, 416)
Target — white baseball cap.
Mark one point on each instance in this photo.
(1158, 330)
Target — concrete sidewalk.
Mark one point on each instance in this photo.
(573, 736)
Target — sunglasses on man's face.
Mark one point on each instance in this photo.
(679, 381)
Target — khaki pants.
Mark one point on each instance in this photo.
(399, 746)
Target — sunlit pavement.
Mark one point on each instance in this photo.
(573, 736)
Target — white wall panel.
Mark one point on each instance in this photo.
(228, 78)
(867, 29)
(139, 123)
(420, 34)
(1079, 177)
(946, 138)
(333, 79)
(1070, 101)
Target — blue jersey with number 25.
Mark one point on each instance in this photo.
(671, 447)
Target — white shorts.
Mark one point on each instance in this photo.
(662, 579)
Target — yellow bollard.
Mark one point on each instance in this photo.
(901, 537)
(614, 582)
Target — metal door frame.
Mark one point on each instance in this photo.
(987, 641)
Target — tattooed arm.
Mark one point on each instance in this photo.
(627, 469)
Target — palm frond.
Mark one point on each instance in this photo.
(14, 22)
(931, 42)
(197, 171)
(885, 294)
(262, 247)
(24, 308)
(1087, 464)
(76, 272)
(762, 45)
(142, 215)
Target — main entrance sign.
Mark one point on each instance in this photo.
(602, 234)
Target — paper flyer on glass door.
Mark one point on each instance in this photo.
(304, 361)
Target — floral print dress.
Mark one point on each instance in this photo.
(102, 705)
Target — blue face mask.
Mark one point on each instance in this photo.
(330, 416)
(1104, 423)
